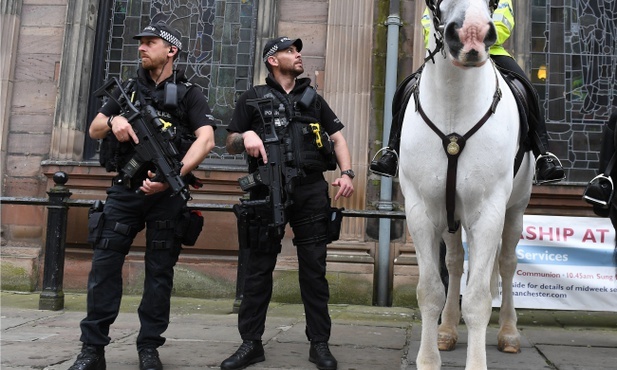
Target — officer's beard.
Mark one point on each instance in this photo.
(294, 71)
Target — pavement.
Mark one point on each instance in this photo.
(202, 333)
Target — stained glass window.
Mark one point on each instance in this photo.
(218, 38)
(574, 61)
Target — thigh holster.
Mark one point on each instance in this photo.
(161, 234)
(119, 240)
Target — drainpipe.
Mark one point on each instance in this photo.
(384, 280)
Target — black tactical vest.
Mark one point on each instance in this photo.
(114, 155)
(307, 145)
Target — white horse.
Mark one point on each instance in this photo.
(456, 93)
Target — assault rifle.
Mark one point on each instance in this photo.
(155, 140)
(275, 174)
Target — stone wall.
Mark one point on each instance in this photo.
(37, 57)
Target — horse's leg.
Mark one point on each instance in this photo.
(508, 339)
(430, 292)
(483, 241)
(451, 314)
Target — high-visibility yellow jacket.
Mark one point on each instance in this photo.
(503, 18)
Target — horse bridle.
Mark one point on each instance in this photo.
(434, 8)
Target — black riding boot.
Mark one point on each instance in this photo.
(387, 164)
(548, 166)
(599, 191)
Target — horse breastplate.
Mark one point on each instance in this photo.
(453, 145)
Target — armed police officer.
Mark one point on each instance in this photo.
(305, 125)
(141, 199)
(548, 166)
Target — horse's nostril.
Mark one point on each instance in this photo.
(491, 35)
(451, 30)
(452, 38)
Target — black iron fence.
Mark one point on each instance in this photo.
(58, 204)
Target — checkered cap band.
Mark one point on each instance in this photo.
(278, 44)
(165, 36)
(271, 52)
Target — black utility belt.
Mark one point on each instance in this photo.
(310, 178)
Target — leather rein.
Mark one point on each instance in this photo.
(453, 145)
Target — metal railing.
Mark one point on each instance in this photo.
(58, 203)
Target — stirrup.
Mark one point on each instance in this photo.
(598, 180)
(384, 149)
(535, 172)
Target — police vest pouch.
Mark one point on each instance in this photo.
(114, 155)
(171, 96)
(307, 98)
(306, 154)
(107, 152)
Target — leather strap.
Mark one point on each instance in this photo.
(453, 145)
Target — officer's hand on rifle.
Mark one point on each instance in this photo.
(150, 187)
(254, 145)
(122, 129)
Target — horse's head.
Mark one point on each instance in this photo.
(466, 27)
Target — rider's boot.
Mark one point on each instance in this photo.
(599, 191)
(548, 169)
(387, 164)
(548, 166)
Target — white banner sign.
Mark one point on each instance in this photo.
(564, 263)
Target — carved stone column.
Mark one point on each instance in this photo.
(9, 26)
(347, 88)
(72, 103)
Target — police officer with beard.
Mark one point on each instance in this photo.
(310, 201)
(142, 202)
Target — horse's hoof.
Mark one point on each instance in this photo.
(509, 346)
(446, 342)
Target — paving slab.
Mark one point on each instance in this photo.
(202, 333)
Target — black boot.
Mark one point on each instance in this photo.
(320, 355)
(599, 191)
(90, 358)
(548, 169)
(250, 352)
(149, 359)
(387, 164)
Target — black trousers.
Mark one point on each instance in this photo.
(537, 122)
(309, 200)
(131, 211)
